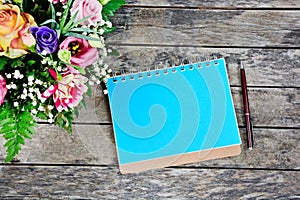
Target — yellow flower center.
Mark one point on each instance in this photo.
(75, 48)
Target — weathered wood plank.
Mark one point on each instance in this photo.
(271, 107)
(213, 3)
(89, 144)
(274, 148)
(169, 26)
(264, 67)
(62, 182)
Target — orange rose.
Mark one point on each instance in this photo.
(14, 31)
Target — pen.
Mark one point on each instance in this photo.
(246, 108)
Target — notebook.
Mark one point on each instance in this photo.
(173, 116)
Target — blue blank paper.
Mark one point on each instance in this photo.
(173, 111)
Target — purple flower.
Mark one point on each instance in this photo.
(46, 39)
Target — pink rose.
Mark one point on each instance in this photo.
(3, 89)
(87, 8)
(82, 53)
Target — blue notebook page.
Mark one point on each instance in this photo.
(172, 111)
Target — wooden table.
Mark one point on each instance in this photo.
(264, 34)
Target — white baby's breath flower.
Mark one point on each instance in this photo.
(102, 23)
(101, 31)
(50, 121)
(41, 108)
(34, 103)
(58, 14)
(44, 52)
(39, 82)
(97, 69)
(39, 96)
(50, 62)
(16, 104)
(44, 61)
(105, 92)
(30, 78)
(31, 96)
(50, 107)
(13, 86)
(42, 99)
(34, 111)
(31, 90)
(108, 24)
(8, 76)
(23, 96)
(103, 73)
(94, 78)
(8, 87)
(17, 74)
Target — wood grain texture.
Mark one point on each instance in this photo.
(264, 34)
(63, 182)
(194, 27)
(274, 148)
(264, 67)
(271, 107)
(224, 3)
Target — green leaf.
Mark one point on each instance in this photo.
(24, 133)
(20, 140)
(31, 62)
(65, 14)
(78, 35)
(89, 91)
(10, 156)
(3, 62)
(50, 21)
(30, 130)
(8, 128)
(111, 7)
(10, 134)
(4, 121)
(17, 63)
(53, 17)
(76, 112)
(80, 21)
(83, 103)
(82, 71)
(42, 115)
(10, 143)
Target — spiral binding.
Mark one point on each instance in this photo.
(164, 69)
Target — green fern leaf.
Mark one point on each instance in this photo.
(111, 7)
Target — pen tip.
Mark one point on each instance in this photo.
(242, 65)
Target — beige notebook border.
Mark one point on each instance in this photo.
(186, 158)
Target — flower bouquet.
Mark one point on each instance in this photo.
(51, 51)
